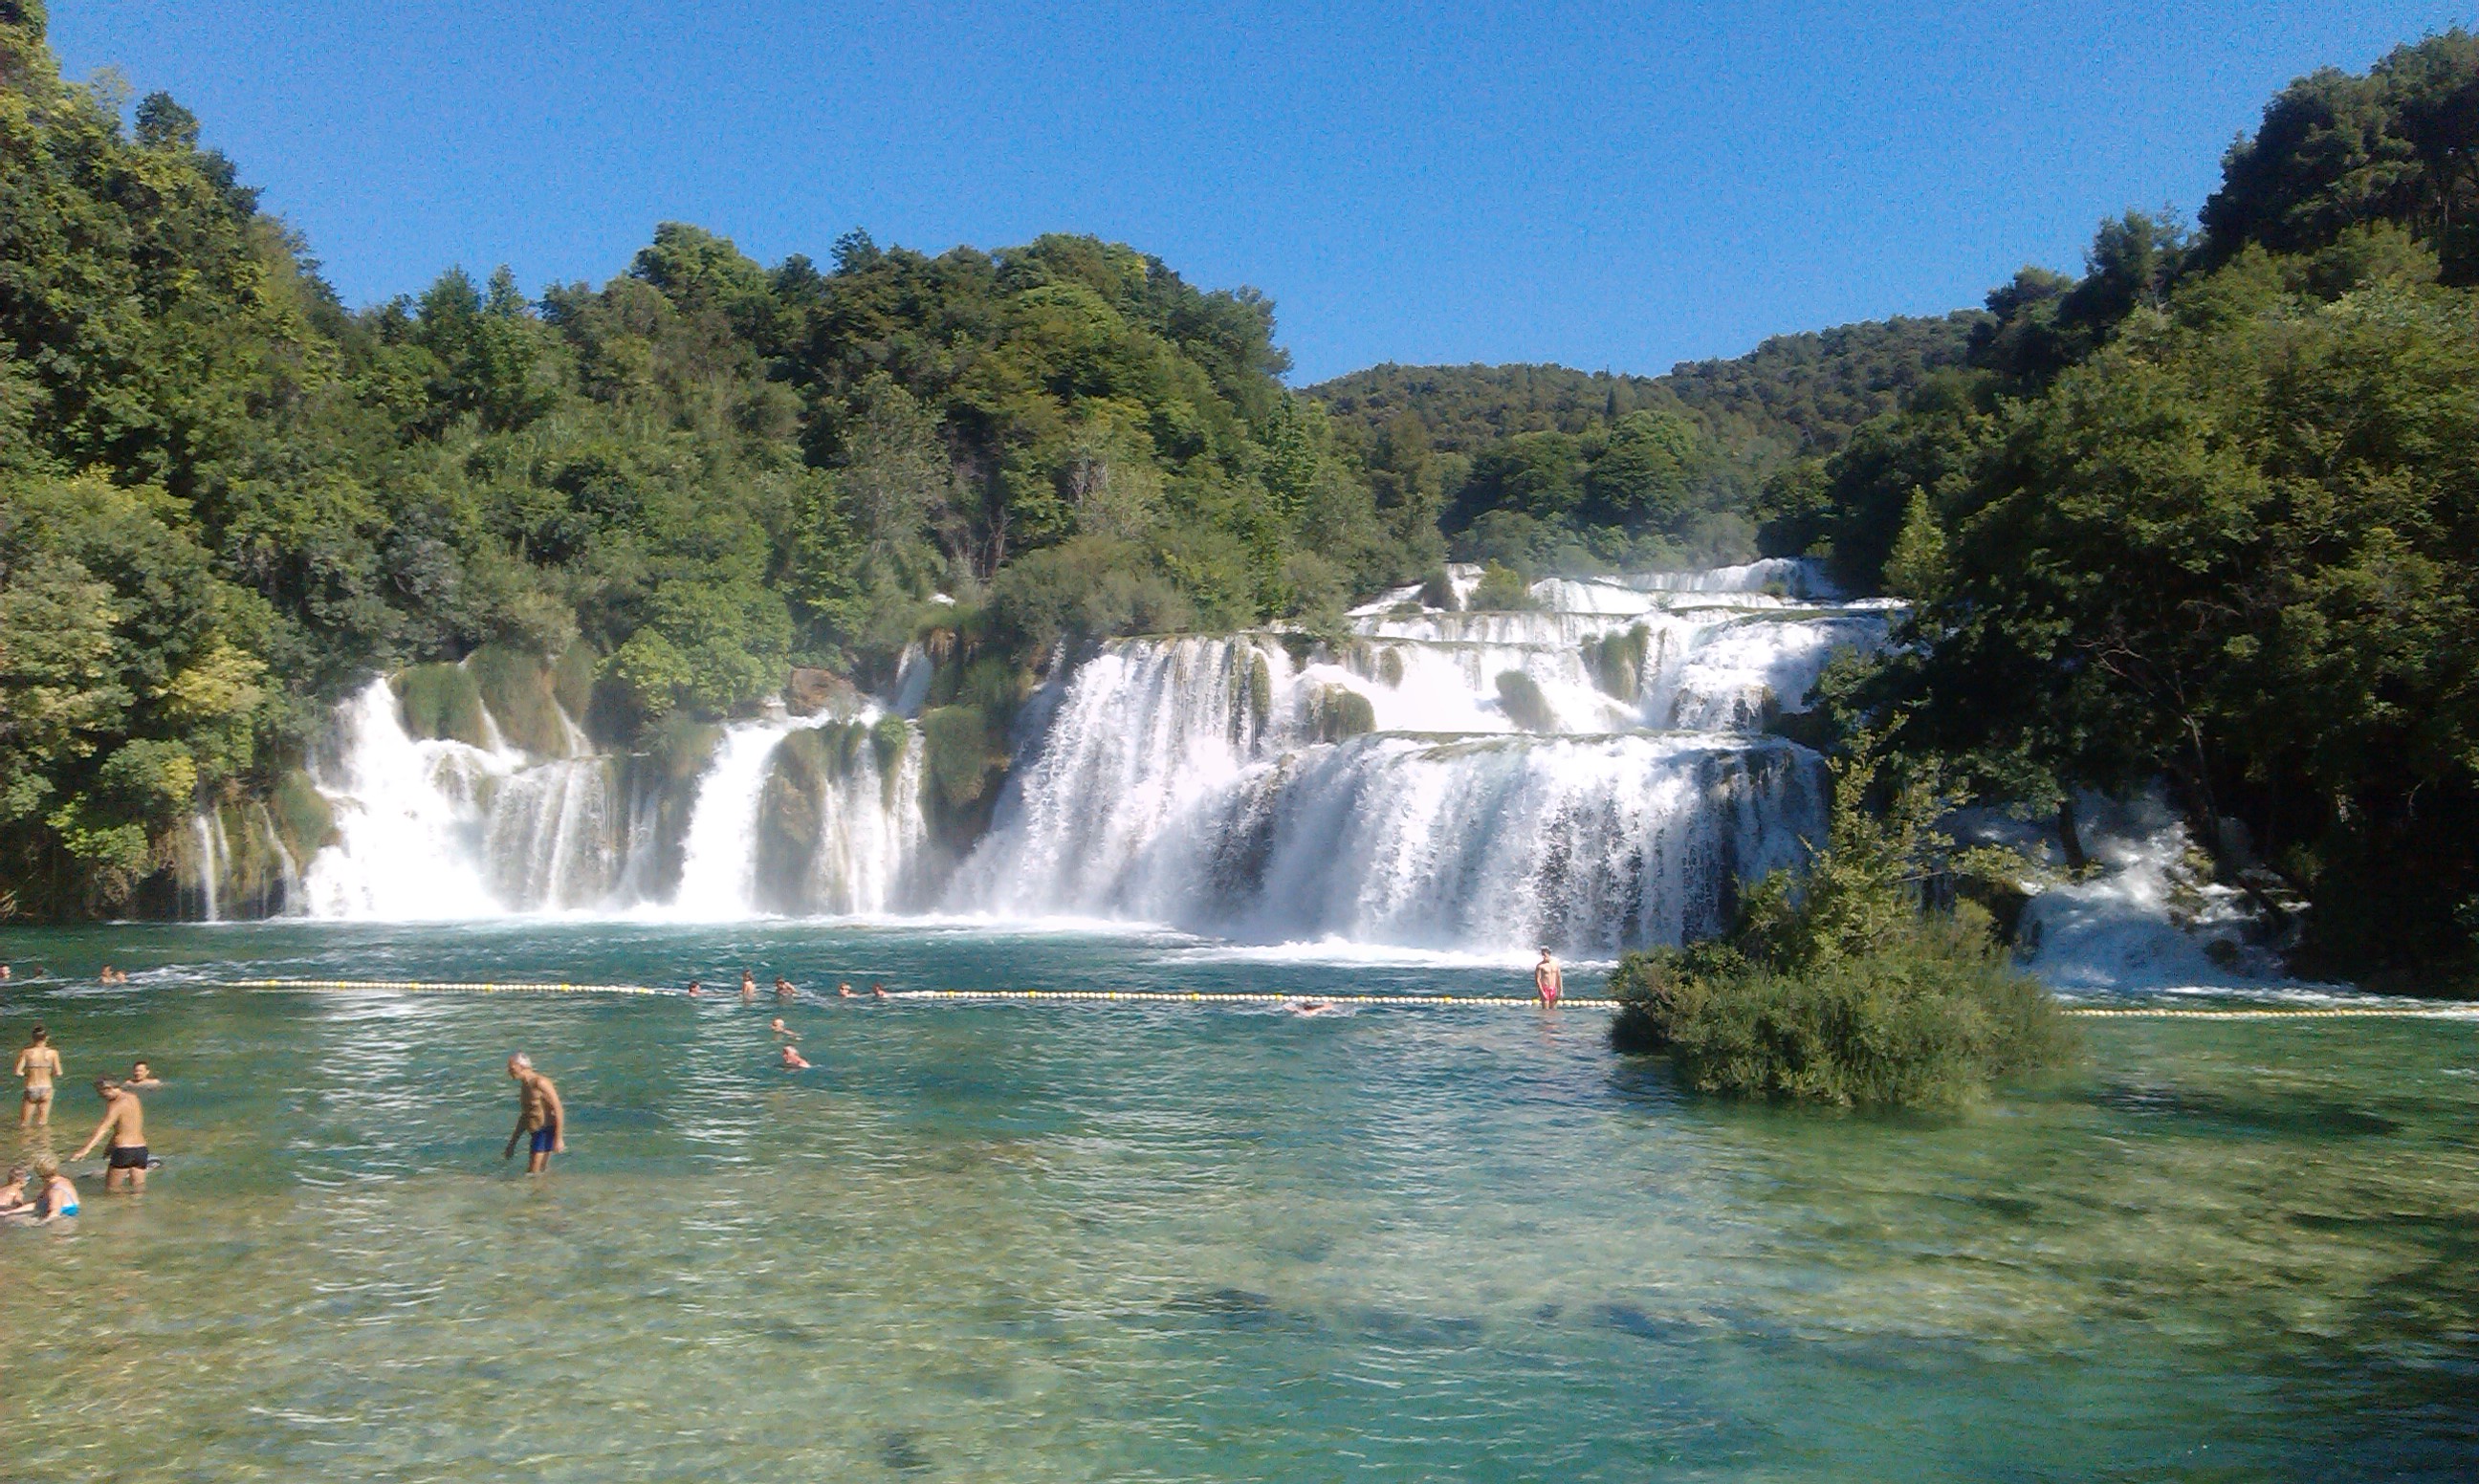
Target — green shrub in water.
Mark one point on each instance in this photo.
(1526, 706)
(1617, 661)
(441, 701)
(1844, 986)
(1437, 591)
(961, 755)
(1337, 711)
(1502, 589)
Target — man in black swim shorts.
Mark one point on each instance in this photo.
(124, 1119)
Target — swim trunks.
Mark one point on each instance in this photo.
(544, 1138)
(128, 1157)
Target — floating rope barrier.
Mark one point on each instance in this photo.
(2459, 1010)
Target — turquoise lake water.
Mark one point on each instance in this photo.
(1036, 1243)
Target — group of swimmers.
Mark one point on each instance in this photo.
(126, 1159)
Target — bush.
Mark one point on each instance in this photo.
(1526, 706)
(1844, 986)
(1337, 711)
(1617, 661)
(1501, 589)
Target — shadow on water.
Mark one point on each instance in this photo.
(2292, 1115)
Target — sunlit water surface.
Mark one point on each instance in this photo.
(1032, 1243)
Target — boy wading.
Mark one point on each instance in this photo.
(538, 1115)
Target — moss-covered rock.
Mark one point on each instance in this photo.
(888, 737)
(791, 809)
(441, 701)
(1524, 704)
(301, 816)
(1337, 711)
(1390, 666)
(520, 691)
(572, 680)
(963, 757)
(1616, 661)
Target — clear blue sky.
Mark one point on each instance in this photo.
(1605, 185)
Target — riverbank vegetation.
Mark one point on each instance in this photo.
(1872, 978)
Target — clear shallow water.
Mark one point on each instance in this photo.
(999, 1241)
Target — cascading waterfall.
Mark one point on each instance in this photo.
(214, 858)
(1588, 773)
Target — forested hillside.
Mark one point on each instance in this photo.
(225, 498)
(2211, 512)
(1547, 467)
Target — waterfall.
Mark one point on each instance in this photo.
(438, 828)
(1588, 773)
(718, 857)
(214, 858)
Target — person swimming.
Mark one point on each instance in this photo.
(778, 1025)
(59, 1195)
(1305, 1008)
(877, 989)
(783, 990)
(748, 985)
(140, 1075)
(697, 986)
(844, 990)
(13, 1200)
(793, 1060)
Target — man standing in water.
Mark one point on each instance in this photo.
(39, 1064)
(538, 1114)
(1549, 980)
(124, 1119)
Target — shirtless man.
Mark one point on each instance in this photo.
(125, 1121)
(1549, 980)
(697, 986)
(39, 1064)
(778, 1025)
(793, 1060)
(783, 990)
(538, 1114)
(747, 987)
(140, 1075)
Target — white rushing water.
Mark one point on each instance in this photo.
(1587, 774)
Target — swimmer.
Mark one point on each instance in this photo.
(748, 985)
(539, 1114)
(4, 971)
(878, 989)
(58, 1196)
(39, 1064)
(844, 990)
(125, 1121)
(776, 1026)
(140, 1075)
(1549, 980)
(783, 990)
(13, 1200)
(1306, 1008)
(793, 1060)
(697, 986)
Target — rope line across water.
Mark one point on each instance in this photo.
(2453, 1012)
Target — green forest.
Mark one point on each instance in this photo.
(2203, 511)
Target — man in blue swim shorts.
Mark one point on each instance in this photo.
(538, 1115)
